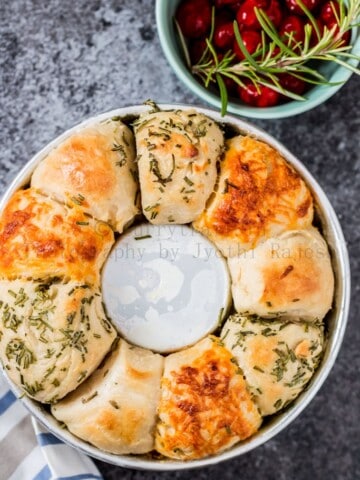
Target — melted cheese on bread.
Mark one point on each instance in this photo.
(259, 195)
(40, 238)
(205, 406)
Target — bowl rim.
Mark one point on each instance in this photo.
(282, 420)
(317, 95)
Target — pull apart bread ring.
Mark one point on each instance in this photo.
(56, 341)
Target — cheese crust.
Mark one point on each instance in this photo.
(259, 195)
(40, 238)
(205, 406)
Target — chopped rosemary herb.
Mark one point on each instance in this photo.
(82, 376)
(88, 399)
(22, 355)
(255, 367)
(155, 170)
(114, 404)
(188, 181)
(142, 237)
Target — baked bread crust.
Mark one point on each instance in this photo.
(278, 358)
(95, 167)
(177, 155)
(288, 275)
(115, 409)
(53, 335)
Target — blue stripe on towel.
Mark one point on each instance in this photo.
(48, 439)
(6, 401)
(44, 474)
(83, 476)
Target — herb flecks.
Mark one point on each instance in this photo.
(17, 350)
(155, 170)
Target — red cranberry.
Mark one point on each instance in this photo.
(196, 49)
(223, 16)
(251, 40)
(226, 3)
(259, 97)
(274, 12)
(329, 11)
(236, 5)
(292, 26)
(292, 84)
(194, 17)
(246, 16)
(295, 7)
(224, 36)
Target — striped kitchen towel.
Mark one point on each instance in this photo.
(29, 452)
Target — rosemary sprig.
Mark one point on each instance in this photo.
(277, 55)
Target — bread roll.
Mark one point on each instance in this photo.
(115, 409)
(205, 406)
(52, 335)
(278, 358)
(95, 167)
(259, 196)
(288, 275)
(177, 156)
(40, 238)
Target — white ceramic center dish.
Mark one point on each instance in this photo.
(336, 319)
(165, 286)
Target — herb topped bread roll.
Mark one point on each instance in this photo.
(177, 159)
(40, 238)
(94, 167)
(52, 335)
(115, 409)
(259, 195)
(287, 275)
(205, 406)
(278, 358)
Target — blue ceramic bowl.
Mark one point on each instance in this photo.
(165, 11)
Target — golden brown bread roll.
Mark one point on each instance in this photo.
(177, 156)
(204, 406)
(96, 167)
(40, 238)
(115, 409)
(289, 275)
(278, 358)
(52, 336)
(259, 195)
